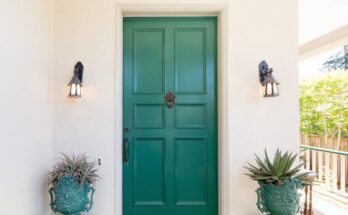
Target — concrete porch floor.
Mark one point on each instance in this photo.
(327, 203)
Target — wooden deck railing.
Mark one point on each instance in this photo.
(330, 165)
(340, 144)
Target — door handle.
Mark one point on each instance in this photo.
(126, 149)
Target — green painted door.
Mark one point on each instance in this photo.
(170, 154)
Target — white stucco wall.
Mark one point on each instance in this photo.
(86, 30)
(26, 110)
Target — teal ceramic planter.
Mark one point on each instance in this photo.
(68, 197)
(280, 200)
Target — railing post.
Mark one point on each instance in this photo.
(320, 166)
(343, 173)
(307, 159)
(314, 161)
(327, 170)
(334, 171)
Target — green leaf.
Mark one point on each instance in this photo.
(275, 172)
(268, 162)
(261, 164)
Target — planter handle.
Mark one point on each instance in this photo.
(91, 200)
(53, 202)
(260, 201)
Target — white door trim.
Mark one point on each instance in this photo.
(180, 9)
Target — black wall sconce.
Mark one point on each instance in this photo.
(270, 85)
(76, 82)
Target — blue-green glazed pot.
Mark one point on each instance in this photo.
(68, 197)
(280, 200)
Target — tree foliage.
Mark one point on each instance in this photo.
(338, 61)
(324, 105)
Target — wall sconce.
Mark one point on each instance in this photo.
(76, 82)
(270, 85)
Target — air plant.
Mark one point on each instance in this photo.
(76, 166)
(278, 171)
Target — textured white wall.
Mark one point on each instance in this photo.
(86, 30)
(261, 30)
(26, 111)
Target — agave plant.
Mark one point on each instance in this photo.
(278, 171)
(72, 165)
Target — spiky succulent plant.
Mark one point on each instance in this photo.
(278, 171)
(76, 166)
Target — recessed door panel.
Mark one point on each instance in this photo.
(148, 61)
(190, 60)
(148, 172)
(190, 171)
(149, 116)
(190, 116)
(170, 145)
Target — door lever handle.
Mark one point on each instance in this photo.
(126, 149)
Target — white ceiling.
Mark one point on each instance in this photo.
(318, 17)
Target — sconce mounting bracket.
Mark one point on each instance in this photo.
(263, 70)
(78, 71)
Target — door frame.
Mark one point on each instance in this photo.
(223, 91)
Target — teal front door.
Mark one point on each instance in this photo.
(170, 142)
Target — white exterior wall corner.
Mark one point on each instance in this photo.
(26, 116)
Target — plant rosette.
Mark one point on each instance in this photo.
(279, 182)
(72, 185)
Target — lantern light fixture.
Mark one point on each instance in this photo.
(76, 82)
(268, 82)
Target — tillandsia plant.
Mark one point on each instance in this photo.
(278, 171)
(77, 166)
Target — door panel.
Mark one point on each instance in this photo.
(190, 61)
(148, 61)
(190, 116)
(172, 166)
(149, 172)
(149, 116)
(190, 171)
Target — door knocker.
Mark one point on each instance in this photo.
(170, 99)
